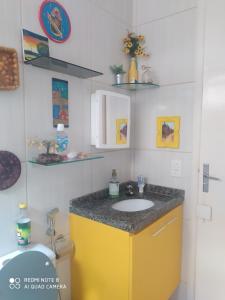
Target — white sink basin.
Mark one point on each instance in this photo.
(133, 205)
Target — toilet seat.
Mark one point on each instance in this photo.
(29, 276)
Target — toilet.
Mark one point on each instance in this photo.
(29, 274)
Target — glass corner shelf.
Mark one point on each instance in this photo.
(63, 162)
(60, 66)
(136, 86)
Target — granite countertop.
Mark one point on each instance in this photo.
(98, 207)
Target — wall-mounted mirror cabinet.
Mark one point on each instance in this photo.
(110, 120)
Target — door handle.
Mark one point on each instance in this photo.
(206, 178)
(212, 178)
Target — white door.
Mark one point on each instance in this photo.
(210, 259)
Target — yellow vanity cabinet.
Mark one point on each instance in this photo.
(112, 264)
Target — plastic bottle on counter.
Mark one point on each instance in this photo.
(23, 226)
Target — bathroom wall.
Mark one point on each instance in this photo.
(97, 30)
(170, 28)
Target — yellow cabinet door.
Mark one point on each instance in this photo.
(111, 264)
(156, 258)
(100, 266)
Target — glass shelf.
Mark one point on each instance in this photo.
(70, 161)
(60, 66)
(136, 86)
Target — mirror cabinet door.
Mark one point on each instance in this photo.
(110, 120)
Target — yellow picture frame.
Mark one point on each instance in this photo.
(121, 131)
(168, 132)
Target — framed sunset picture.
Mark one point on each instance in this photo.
(168, 132)
(34, 45)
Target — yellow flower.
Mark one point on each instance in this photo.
(141, 38)
(136, 52)
(129, 45)
(126, 50)
(127, 39)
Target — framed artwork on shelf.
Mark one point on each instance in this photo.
(54, 21)
(168, 132)
(34, 45)
(121, 131)
(60, 106)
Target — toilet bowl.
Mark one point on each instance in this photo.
(29, 274)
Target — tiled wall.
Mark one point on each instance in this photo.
(97, 29)
(170, 31)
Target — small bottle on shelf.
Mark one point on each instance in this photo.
(62, 140)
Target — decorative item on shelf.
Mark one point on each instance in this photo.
(71, 155)
(118, 73)
(60, 102)
(133, 72)
(168, 132)
(82, 155)
(10, 169)
(34, 45)
(9, 69)
(50, 156)
(134, 47)
(146, 75)
(55, 21)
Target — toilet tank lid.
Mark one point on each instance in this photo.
(33, 247)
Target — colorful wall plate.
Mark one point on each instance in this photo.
(55, 21)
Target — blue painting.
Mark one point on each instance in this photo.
(54, 21)
(60, 102)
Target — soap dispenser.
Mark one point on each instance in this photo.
(114, 185)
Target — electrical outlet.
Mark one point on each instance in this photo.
(176, 168)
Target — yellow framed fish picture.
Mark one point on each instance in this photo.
(168, 132)
(121, 131)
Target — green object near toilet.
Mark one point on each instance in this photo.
(23, 227)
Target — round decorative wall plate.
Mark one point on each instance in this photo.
(10, 169)
(54, 21)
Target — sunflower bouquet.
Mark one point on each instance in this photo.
(134, 45)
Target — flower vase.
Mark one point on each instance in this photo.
(133, 72)
(118, 78)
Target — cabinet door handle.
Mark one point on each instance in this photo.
(164, 227)
(207, 177)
